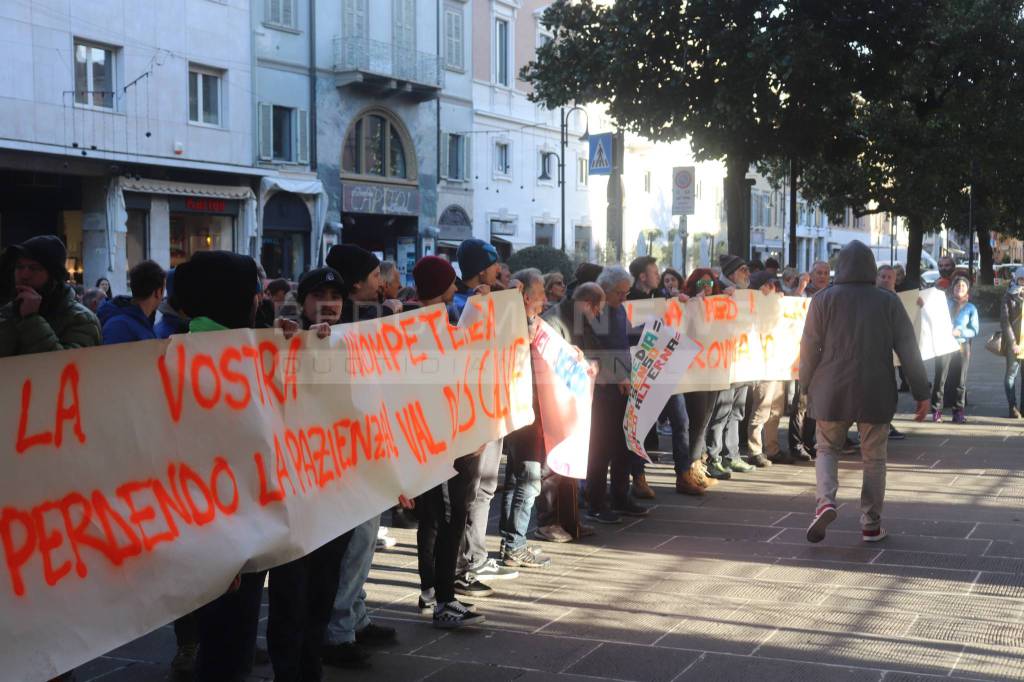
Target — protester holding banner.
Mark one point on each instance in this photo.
(723, 437)
(966, 326)
(1010, 325)
(646, 282)
(350, 629)
(478, 262)
(44, 314)
(219, 290)
(608, 443)
(526, 455)
(801, 432)
(442, 510)
(557, 508)
(847, 369)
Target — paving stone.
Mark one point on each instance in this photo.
(714, 667)
(502, 648)
(474, 672)
(951, 561)
(389, 666)
(947, 604)
(991, 663)
(729, 531)
(896, 541)
(861, 651)
(639, 663)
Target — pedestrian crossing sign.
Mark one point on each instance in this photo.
(601, 154)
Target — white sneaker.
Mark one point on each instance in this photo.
(825, 516)
(491, 570)
(873, 535)
(455, 615)
(385, 541)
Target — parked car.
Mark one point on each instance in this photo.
(929, 278)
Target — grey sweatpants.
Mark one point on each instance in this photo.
(874, 440)
(474, 543)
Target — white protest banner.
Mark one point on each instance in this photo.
(139, 479)
(659, 362)
(933, 326)
(748, 336)
(565, 392)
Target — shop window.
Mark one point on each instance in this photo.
(94, 75)
(191, 233)
(377, 146)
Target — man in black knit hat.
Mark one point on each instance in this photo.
(44, 315)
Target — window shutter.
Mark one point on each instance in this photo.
(302, 136)
(287, 12)
(466, 166)
(266, 142)
(446, 146)
(273, 11)
(460, 59)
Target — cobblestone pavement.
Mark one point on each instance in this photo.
(726, 588)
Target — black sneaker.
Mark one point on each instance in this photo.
(781, 457)
(376, 635)
(896, 435)
(629, 508)
(759, 461)
(524, 558)
(184, 662)
(350, 655)
(455, 615)
(468, 586)
(606, 517)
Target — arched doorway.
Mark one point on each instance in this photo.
(284, 251)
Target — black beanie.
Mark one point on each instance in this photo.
(219, 285)
(354, 263)
(730, 264)
(47, 250)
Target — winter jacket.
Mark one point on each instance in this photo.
(462, 294)
(170, 322)
(61, 324)
(852, 329)
(111, 307)
(1009, 317)
(966, 321)
(126, 325)
(638, 294)
(612, 334)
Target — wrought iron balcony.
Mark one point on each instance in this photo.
(386, 68)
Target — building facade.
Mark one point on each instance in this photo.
(378, 79)
(128, 140)
(516, 160)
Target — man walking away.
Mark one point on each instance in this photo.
(846, 365)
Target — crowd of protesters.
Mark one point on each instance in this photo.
(317, 612)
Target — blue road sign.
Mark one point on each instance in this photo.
(601, 154)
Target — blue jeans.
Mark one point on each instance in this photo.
(522, 486)
(349, 613)
(1012, 370)
(675, 410)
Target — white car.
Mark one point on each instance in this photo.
(929, 278)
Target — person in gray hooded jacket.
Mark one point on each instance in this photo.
(847, 369)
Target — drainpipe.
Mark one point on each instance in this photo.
(312, 85)
(438, 101)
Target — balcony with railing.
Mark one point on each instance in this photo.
(386, 68)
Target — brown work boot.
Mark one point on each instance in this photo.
(641, 490)
(700, 471)
(686, 483)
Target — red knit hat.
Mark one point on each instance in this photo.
(433, 275)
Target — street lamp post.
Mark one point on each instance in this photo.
(564, 139)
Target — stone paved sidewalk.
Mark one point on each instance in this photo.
(726, 588)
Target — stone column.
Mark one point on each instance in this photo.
(160, 231)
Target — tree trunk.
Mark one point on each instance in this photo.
(915, 242)
(985, 274)
(737, 206)
(794, 175)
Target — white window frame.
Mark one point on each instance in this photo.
(285, 8)
(220, 76)
(464, 157)
(582, 172)
(509, 51)
(454, 42)
(506, 172)
(114, 75)
(299, 134)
